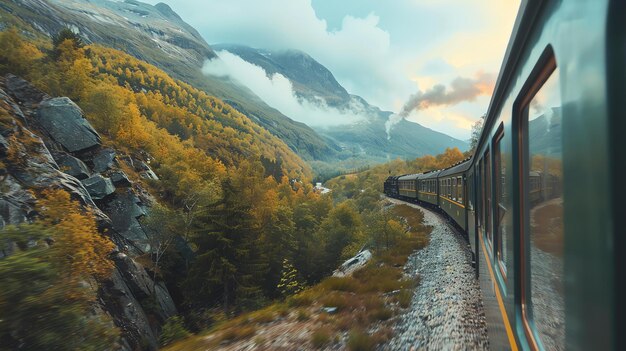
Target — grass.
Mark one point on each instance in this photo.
(237, 333)
(321, 337)
(360, 341)
(404, 297)
(363, 302)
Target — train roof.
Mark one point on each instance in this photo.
(457, 168)
(408, 177)
(430, 175)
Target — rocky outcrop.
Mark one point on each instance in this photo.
(24, 92)
(120, 179)
(66, 124)
(125, 209)
(52, 145)
(99, 187)
(103, 160)
(72, 166)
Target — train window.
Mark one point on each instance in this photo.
(459, 191)
(479, 193)
(500, 209)
(543, 235)
(487, 194)
(453, 190)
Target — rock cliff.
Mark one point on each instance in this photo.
(46, 142)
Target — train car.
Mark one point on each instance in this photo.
(545, 180)
(542, 191)
(428, 188)
(452, 194)
(407, 187)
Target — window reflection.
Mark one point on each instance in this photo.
(545, 197)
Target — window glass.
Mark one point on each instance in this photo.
(500, 209)
(479, 194)
(544, 213)
(453, 188)
(459, 183)
(487, 191)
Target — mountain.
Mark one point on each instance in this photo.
(365, 139)
(157, 35)
(310, 79)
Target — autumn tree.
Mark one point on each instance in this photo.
(44, 302)
(17, 56)
(78, 248)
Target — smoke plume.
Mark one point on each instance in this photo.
(462, 89)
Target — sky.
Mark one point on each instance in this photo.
(392, 53)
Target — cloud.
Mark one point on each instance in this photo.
(374, 48)
(277, 91)
(358, 53)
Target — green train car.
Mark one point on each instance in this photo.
(428, 188)
(540, 199)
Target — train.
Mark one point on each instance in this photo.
(540, 199)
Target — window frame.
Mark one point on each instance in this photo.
(487, 199)
(543, 70)
(497, 216)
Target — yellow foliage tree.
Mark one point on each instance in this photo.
(78, 247)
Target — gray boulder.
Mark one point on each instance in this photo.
(65, 123)
(124, 209)
(103, 160)
(120, 179)
(146, 171)
(23, 91)
(142, 286)
(99, 187)
(128, 313)
(73, 166)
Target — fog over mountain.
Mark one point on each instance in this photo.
(302, 88)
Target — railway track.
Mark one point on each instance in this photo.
(447, 310)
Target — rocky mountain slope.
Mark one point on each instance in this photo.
(368, 138)
(46, 143)
(157, 35)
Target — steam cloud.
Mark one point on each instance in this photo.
(462, 89)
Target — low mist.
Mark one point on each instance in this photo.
(277, 91)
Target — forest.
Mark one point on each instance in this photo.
(237, 197)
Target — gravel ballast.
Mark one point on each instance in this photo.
(446, 311)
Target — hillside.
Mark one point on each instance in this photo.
(157, 35)
(141, 206)
(366, 139)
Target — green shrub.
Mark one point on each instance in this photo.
(360, 341)
(320, 337)
(339, 284)
(404, 297)
(380, 314)
(238, 333)
(173, 329)
(302, 315)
